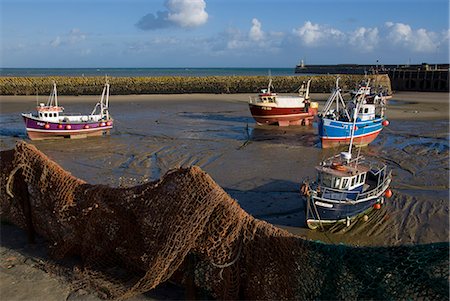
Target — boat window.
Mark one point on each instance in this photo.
(360, 111)
(363, 177)
(353, 181)
(344, 183)
(337, 182)
(40, 114)
(366, 110)
(45, 114)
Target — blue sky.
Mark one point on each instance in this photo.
(221, 33)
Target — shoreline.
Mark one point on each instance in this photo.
(402, 105)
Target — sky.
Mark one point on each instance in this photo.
(221, 33)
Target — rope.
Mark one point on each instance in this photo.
(10, 178)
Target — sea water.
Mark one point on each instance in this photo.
(143, 72)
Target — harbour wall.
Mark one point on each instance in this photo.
(181, 84)
(423, 77)
(419, 80)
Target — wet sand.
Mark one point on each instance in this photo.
(260, 166)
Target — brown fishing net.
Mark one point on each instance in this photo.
(185, 227)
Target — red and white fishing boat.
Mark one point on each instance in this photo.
(284, 110)
(50, 122)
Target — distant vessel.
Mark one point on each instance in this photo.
(271, 108)
(49, 121)
(345, 188)
(359, 120)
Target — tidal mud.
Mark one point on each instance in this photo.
(260, 166)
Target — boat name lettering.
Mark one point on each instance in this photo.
(266, 108)
(40, 123)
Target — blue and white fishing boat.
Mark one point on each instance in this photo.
(345, 187)
(336, 119)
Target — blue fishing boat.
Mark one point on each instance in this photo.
(364, 114)
(345, 188)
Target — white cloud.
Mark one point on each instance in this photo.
(73, 37)
(56, 42)
(419, 40)
(365, 39)
(256, 39)
(256, 33)
(315, 34)
(181, 13)
(187, 13)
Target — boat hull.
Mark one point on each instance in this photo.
(324, 209)
(331, 213)
(333, 133)
(282, 116)
(40, 130)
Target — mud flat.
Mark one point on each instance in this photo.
(260, 166)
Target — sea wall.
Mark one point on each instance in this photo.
(179, 84)
(420, 80)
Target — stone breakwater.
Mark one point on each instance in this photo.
(180, 84)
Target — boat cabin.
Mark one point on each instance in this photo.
(48, 113)
(267, 96)
(366, 112)
(342, 177)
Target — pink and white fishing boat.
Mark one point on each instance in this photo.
(284, 110)
(50, 122)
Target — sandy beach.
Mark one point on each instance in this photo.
(259, 166)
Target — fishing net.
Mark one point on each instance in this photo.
(188, 229)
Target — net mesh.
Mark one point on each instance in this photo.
(185, 226)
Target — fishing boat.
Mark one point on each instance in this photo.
(50, 122)
(345, 187)
(336, 119)
(284, 110)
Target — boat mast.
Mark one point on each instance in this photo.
(56, 94)
(335, 96)
(359, 101)
(53, 97)
(104, 101)
(307, 89)
(332, 97)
